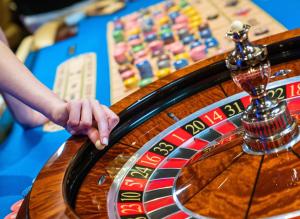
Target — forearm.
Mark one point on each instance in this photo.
(18, 81)
(26, 116)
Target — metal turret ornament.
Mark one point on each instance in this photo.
(268, 124)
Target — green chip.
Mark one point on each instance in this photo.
(137, 48)
(145, 82)
(118, 36)
(183, 3)
(165, 31)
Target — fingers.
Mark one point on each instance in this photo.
(74, 108)
(82, 114)
(112, 118)
(94, 136)
(102, 121)
(86, 119)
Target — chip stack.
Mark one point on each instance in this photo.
(154, 41)
(156, 47)
(164, 65)
(118, 36)
(128, 76)
(145, 70)
(204, 31)
(198, 52)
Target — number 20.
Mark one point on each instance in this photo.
(195, 127)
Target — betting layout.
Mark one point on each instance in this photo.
(75, 79)
(150, 184)
(156, 41)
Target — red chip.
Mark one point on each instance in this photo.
(12, 215)
(16, 206)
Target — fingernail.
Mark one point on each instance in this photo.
(105, 141)
(98, 145)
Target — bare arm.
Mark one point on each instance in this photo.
(21, 112)
(25, 115)
(22, 91)
(18, 81)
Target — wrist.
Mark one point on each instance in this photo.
(59, 114)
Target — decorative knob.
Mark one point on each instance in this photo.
(268, 124)
(248, 63)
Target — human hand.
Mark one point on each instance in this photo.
(87, 117)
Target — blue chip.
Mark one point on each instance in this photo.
(211, 42)
(188, 39)
(148, 21)
(183, 33)
(150, 37)
(180, 63)
(118, 26)
(165, 26)
(166, 36)
(195, 44)
(145, 69)
(147, 28)
(173, 16)
(133, 37)
(206, 33)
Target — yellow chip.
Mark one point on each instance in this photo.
(187, 9)
(181, 56)
(163, 72)
(195, 24)
(195, 18)
(131, 82)
(134, 31)
(163, 20)
(192, 13)
(174, 8)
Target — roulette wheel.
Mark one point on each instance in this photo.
(191, 145)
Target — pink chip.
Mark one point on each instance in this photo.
(120, 55)
(132, 17)
(121, 45)
(181, 19)
(156, 45)
(140, 54)
(159, 15)
(135, 42)
(176, 48)
(177, 27)
(131, 25)
(198, 53)
(153, 31)
(127, 74)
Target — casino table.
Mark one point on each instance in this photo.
(177, 153)
(25, 152)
